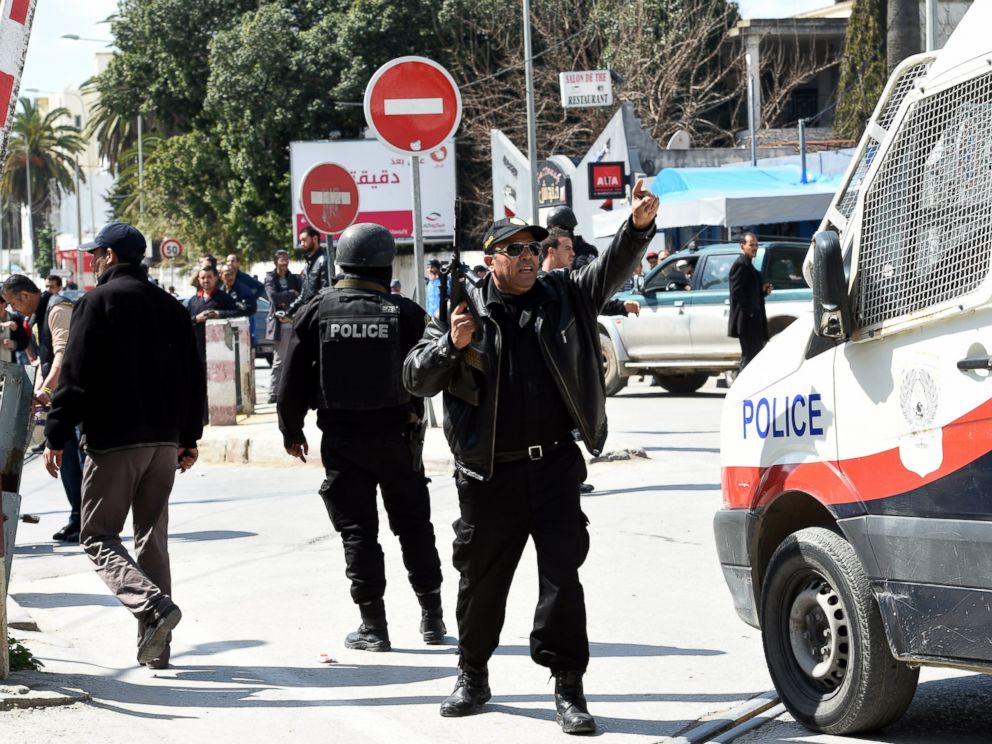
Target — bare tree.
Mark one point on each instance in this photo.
(785, 67)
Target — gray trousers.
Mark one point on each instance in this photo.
(278, 354)
(138, 480)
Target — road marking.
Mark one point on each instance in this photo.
(408, 106)
(330, 198)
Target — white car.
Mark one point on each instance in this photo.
(680, 336)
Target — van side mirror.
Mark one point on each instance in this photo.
(831, 309)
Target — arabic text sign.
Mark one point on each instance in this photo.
(586, 88)
(384, 188)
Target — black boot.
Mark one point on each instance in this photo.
(470, 694)
(431, 622)
(573, 713)
(372, 634)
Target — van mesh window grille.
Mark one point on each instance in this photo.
(850, 199)
(905, 84)
(927, 226)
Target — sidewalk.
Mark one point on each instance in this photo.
(256, 440)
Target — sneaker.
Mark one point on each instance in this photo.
(368, 638)
(156, 637)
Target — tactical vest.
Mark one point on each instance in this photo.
(46, 352)
(361, 352)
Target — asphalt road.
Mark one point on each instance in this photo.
(259, 574)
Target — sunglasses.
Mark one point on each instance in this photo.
(513, 250)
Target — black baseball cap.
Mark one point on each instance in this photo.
(125, 240)
(507, 228)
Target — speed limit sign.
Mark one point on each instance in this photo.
(171, 248)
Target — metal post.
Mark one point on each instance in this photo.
(418, 233)
(750, 111)
(802, 148)
(79, 224)
(930, 24)
(531, 116)
(27, 170)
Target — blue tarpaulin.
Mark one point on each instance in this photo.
(738, 196)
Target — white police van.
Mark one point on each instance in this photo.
(856, 449)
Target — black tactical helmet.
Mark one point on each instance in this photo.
(366, 245)
(563, 217)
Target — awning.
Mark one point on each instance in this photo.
(741, 196)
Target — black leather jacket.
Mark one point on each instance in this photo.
(569, 337)
(315, 278)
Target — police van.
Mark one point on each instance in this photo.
(856, 449)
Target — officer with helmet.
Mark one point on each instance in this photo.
(350, 342)
(563, 218)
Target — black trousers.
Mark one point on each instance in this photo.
(523, 499)
(354, 466)
(750, 346)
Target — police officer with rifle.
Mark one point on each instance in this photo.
(345, 357)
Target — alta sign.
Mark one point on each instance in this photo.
(607, 180)
(584, 89)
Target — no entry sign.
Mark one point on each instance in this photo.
(412, 105)
(329, 197)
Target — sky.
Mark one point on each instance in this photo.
(54, 64)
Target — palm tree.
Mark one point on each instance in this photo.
(52, 148)
(41, 152)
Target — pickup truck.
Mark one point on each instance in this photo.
(680, 336)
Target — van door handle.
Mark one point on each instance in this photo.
(967, 363)
(680, 304)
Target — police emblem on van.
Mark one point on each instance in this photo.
(921, 448)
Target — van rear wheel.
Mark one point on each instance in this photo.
(824, 641)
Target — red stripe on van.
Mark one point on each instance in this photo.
(876, 476)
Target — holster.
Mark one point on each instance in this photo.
(416, 435)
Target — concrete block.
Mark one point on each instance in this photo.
(245, 366)
(221, 374)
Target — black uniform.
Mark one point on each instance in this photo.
(345, 358)
(315, 277)
(585, 253)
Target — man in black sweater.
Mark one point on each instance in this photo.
(133, 380)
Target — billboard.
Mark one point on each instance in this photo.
(385, 191)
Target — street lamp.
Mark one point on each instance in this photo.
(141, 151)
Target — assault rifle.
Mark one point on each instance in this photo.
(455, 280)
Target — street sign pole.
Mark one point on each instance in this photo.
(418, 233)
(531, 116)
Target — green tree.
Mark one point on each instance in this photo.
(46, 148)
(863, 68)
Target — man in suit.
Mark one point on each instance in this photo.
(747, 302)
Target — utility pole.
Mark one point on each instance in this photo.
(531, 115)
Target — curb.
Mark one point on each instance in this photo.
(732, 723)
(43, 694)
(18, 618)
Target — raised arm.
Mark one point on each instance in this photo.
(603, 277)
